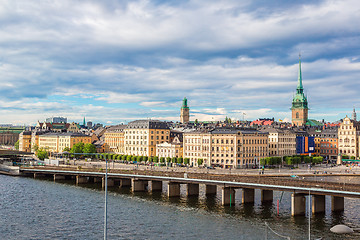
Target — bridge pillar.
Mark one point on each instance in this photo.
(173, 189)
(110, 182)
(138, 185)
(97, 179)
(248, 195)
(125, 182)
(228, 196)
(155, 186)
(58, 177)
(267, 195)
(297, 204)
(210, 189)
(38, 175)
(337, 203)
(318, 204)
(192, 189)
(81, 179)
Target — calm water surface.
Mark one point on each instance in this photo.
(42, 209)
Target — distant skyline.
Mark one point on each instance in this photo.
(117, 61)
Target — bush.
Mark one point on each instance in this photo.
(150, 159)
(139, 159)
(352, 157)
(133, 158)
(200, 161)
(345, 157)
(128, 158)
(124, 157)
(145, 158)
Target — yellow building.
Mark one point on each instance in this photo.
(141, 137)
(25, 141)
(114, 139)
(56, 142)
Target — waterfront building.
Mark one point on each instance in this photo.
(10, 135)
(184, 112)
(57, 142)
(299, 104)
(305, 143)
(349, 137)
(282, 142)
(173, 149)
(141, 137)
(25, 141)
(227, 148)
(329, 143)
(114, 139)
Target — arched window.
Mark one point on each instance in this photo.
(297, 115)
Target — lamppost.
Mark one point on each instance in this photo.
(106, 177)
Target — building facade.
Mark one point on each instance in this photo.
(299, 107)
(57, 142)
(141, 137)
(173, 149)
(114, 139)
(349, 137)
(226, 148)
(25, 141)
(282, 142)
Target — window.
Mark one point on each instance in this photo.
(297, 115)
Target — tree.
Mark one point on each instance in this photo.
(180, 160)
(42, 154)
(89, 148)
(186, 161)
(145, 158)
(123, 157)
(128, 158)
(139, 158)
(35, 148)
(156, 159)
(78, 148)
(118, 157)
(200, 161)
(16, 145)
(133, 158)
(168, 159)
(150, 159)
(66, 149)
(162, 159)
(174, 159)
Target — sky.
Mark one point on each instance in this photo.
(116, 61)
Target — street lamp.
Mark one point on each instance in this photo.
(106, 177)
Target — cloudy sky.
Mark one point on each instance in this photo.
(115, 61)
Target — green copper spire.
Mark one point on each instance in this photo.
(84, 122)
(184, 105)
(299, 100)
(300, 88)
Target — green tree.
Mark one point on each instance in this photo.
(200, 161)
(66, 149)
(168, 159)
(16, 145)
(128, 158)
(186, 161)
(78, 148)
(42, 154)
(133, 158)
(180, 160)
(307, 159)
(123, 157)
(118, 157)
(145, 158)
(35, 148)
(139, 159)
(89, 148)
(150, 159)
(352, 157)
(162, 159)
(156, 159)
(174, 159)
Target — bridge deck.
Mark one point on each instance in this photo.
(234, 184)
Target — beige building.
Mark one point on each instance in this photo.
(349, 137)
(56, 142)
(227, 148)
(141, 137)
(114, 139)
(173, 149)
(282, 142)
(25, 141)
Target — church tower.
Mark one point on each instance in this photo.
(299, 104)
(184, 112)
(353, 115)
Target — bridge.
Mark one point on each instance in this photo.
(150, 181)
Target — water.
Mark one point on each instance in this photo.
(42, 209)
